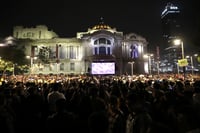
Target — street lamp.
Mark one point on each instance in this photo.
(191, 60)
(191, 63)
(149, 61)
(32, 63)
(158, 68)
(57, 57)
(13, 69)
(180, 42)
(131, 62)
(195, 60)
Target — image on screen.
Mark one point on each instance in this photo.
(103, 68)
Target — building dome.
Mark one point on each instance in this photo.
(101, 26)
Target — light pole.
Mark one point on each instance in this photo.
(131, 62)
(191, 63)
(31, 58)
(31, 65)
(13, 69)
(158, 72)
(148, 56)
(57, 58)
(195, 62)
(149, 61)
(180, 42)
(191, 59)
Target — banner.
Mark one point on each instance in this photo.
(182, 62)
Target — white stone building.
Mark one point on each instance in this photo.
(100, 50)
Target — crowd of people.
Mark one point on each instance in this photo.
(99, 104)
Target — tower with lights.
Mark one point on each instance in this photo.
(171, 30)
(170, 19)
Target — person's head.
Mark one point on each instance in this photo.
(98, 122)
(56, 86)
(135, 101)
(99, 105)
(60, 105)
(114, 102)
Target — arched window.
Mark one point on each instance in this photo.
(102, 47)
(102, 41)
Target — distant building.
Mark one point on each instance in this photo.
(100, 50)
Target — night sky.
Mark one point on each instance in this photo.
(138, 16)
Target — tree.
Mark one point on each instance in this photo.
(13, 54)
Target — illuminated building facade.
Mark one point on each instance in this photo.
(101, 44)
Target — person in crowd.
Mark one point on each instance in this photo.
(53, 96)
(98, 121)
(7, 119)
(139, 120)
(116, 116)
(62, 120)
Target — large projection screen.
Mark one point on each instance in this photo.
(103, 68)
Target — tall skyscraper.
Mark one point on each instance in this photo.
(171, 27)
(170, 19)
